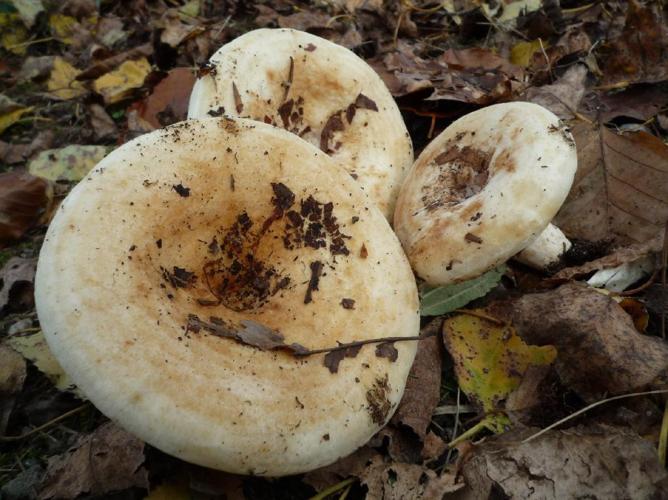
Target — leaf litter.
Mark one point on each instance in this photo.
(97, 76)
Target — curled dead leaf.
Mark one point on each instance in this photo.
(24, 201)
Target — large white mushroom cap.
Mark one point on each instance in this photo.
(321, 92)
(484, 189)
(220, 228)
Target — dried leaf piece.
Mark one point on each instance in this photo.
(423, 385)
(62, 83)
(10, 112)
(522, 52)
(16, 284)
(168, 103)
(334, 358)
(24, 199)
(102, 124)
(490, 360)
(109, 459)
(120, 83)
(12, 376)
(352, 465)
(445, 299)
(563, 96)
(600, 350)
(597, 462)
(620, 190)
(34, 348)
(70, 163)
(13, 33)
(28, 10)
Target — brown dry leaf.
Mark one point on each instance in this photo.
(640, 53)
(119, 84)
(16, 284)
(175, 30)
(617, 257)
(99, 68)
(12, 376)
(600, 352)
(640, 102)
(11, 153)
(434, 447)
(423, 386)
(388, 480)
(24, 200)
(168, 103)
(304, 20)
(598, 462)
(107, 460)
(102, 124)
(620, 190)
(563, 96)
(352, 465)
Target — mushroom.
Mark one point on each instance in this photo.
(483, 190)
(176, 278)
(321, 92)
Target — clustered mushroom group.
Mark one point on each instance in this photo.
(209, 253)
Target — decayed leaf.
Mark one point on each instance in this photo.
(34, 348)
(16, 284)
(490, 359)
(600, 350)
(522, 52)
(70, 163)
(168, 103)
(10, 112)
(13, 33)
(62, 83)
(423, 386)
(640, 53)
(620, 190)
(28, 10)
(36, 67)
(563, 96)
(598, 462)
(107, 460)
(120, 83)
(619, 256)
(352, 465)
(12, 376)
(102, 124)
(63, 27)
(445, 299)
(24, 200)
(397, 481)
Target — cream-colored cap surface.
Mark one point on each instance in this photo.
(483, 190)
(321, 92)
(215, 226)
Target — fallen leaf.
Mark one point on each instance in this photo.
(621, 277)
(63, 27)
(10, 112)
(396, 481)
(110, 31)
(102, 124)
(640, 52)
(70, 163)
(99, 68)
(107, 460)
(619, 256)
(175, 30)
(24, 200)
(28, 10)
(334, 358)
(434, 447)
(600, 352)
(596, 462)
(62, 83)
(23, 485)
(12, 376)
(490, 359)
(13, 34)
(33, 347)
(563, 96)
(400, 444)
(423, 385)
(304, 20)
(119, 84)
(620, 192)
(168, 103)
(352, 465)
(522, 52)
(16, 284)
(445, 299)
(36, 67)
(640, 102)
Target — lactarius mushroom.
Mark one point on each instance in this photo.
(321, 92)
(483, 190)
(180, 277)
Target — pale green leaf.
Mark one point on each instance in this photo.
(445, 299)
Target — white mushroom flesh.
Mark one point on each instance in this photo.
(546, 250)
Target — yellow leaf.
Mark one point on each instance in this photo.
(522, 52)
(13, 34)
(34, 348)
(119, 84)
(62, 27)
(70, 163)
(191, 8)
(10, 118)
(490, 359)
(62, 83)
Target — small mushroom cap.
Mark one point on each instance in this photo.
(318, 90)
(224, 219)
(483, 190)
